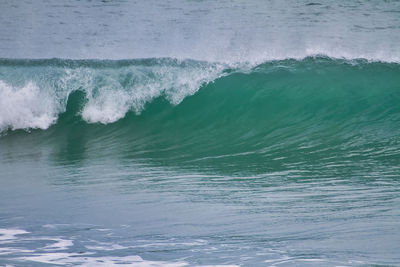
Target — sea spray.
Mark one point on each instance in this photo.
(35, 92)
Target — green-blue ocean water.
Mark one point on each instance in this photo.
(163, 162)
(199, 133)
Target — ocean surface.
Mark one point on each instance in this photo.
(199, 133)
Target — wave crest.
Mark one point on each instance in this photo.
(26, 107)
(33, 93)
(111, 88)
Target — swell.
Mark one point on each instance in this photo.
(284, 112)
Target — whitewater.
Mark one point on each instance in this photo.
(199, 133)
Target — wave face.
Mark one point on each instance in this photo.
(190, 112)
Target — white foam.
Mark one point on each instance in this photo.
(50, 254)
(5, 251)
(112, 101)
(38, 103)
(10, 234)
(86, 260)
(108, 107)
(60, 244)
(26, 107)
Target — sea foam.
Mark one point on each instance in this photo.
(110, 90)
(26, 107)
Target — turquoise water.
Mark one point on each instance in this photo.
(257, 147)
(286, 163)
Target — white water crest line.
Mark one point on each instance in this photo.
(110, 92)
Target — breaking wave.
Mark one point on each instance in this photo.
(280, 112)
